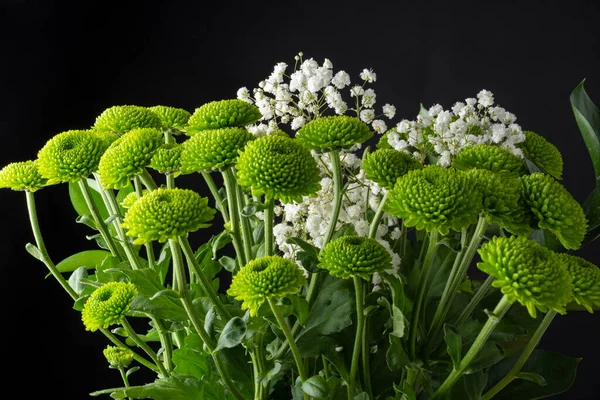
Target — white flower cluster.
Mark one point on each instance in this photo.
(311, 91)
(446, 132)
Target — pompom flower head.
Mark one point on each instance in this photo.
(107, 305)
(585, 278)
(122, 119)
(527, 272)
(22, 175)
(435, 198)
(269, 277)
(128, 156)
(333, 133)
(493, 158)
(555, 209)
(172, 118)
(166, 214)
(167, 159)
(222, 114)
(279, 168)
(354, 256)
(385, 166)
(72, 155)
(213, 149)
(542, 153)
(118, 357)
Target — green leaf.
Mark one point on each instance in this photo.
(79, 203)
(533, 377)
(454, 343)
(300, 309)
(190, 359)
(232, 334)
(89, 259)
(75, 280)
(398, 322)
(34, 251)
(489, 355)
(362, 396)
(475, 384)
(121, 196)
(316, 386)
(228, 263)
(396, 356)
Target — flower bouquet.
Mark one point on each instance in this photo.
(345, 260)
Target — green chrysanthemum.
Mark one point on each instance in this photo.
(122, 119)
(333, 132)
(493, 158)
(22, 175)
(269, 277)
(542, 153)
(223, 114)
(118, 357)
(502, 201)
(166, 214)
(555, 209)
(167, 159)
(385, 166)
(383, 143)
(527, 272)
(172, 118)
(354, 256)
(71, 155)
(128, 156)
(128, 200)
(435, 198)
(585, 278)
(107, 305)
(213, 149)
(279, 168)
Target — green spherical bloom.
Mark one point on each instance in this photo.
(527, 272)
(435, 198)
(22, 175)
(279, 168)
(118, 357)
(128, 156)
(213, 149)
(122, 119)
(71, 155)
(490, 157)
(107, 305)
(166, 214)
(223, 114)
(555, 209)
(167, 159)
(171, 117)
(542, 153)
(385, 166)
(333, 132)
(269, 277)
(585, 278)
(354, 257)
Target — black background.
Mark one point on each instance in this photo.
(62, 63)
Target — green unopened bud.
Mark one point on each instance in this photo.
(118, 357)
(107, 305)
(333, 133)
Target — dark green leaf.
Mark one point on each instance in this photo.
(79, 203)
(475, 384)
(489, 355)
(89, 259)
(75, 280)
(344, 230)
(533, 377)
(454, 344)
(232, 334)
(191, 359)
(396, 356)
(300, 309)
(173, 388)
(316, 386)
(362, 396)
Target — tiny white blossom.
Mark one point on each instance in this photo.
(356, 91)
(341, 80)
(298, 122)
(389, 110)
(243, 94)
(327, 64)
(368, 98)
(486, 98)
(379, 126)
(367, 115)
(435, 110)
(368, 75)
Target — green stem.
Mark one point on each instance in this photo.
(424, 276)
(165, 341)
(215, 193)
(138, 341)
(360, 322)
(269, 220)
(377, 217)
(247, 240)
(366, 368)
(100, 225)
(124, 377)
(147, 180)
(39, 240)
(338, 184)
(197, 324)
(480, 294)
(531, 345)
(487, 329)
(234, 221)
(170, 180)
(149, 249)
(226, 378)
(178, 271)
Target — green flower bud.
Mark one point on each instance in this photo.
(555, 209)
(167, 159)
(172, 118)
(542, 153)
(107, 305)
(213, 149)
(527, 272)
(118, 357)
(131, 198)
(435, 198)
(354, 256)
(493, 158)
(166, 214)
(22, 175)
(71, 155)
(278, 167)
(128, 156)
(122, 119)
(585, 278)
(333, 132)
(269, 277)
(385, 166)
(223, 114)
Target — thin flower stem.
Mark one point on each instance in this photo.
(124, 378)
(215, 193)
(138, 341)
(377, 217)
(479, 295)
(147, 180)
(170, 180)
(226, 378)
(178, 271)
(360, 324)
(338, 185)
(531, 345)
(247, 239)
(487, 329)
(136, 356)
(165, 341)
(234, 221)
(268, 220)
(366, 365)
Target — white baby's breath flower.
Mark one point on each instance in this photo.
(379, 126)
(341, 80)
(244, 94)
(485, 98)
(368, 75)
(356, 91)
(298, 122)
(368, 98)
(367, 115)
(389, 110)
